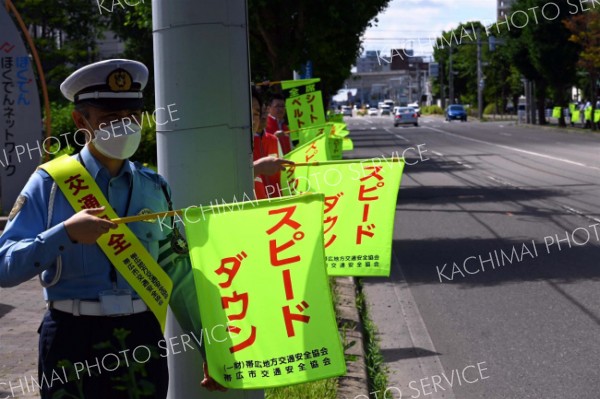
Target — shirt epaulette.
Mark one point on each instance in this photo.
(149, 173)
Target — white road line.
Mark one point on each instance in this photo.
(439, 154)
(537, 154)
(580, 213)
(502, 181)
(401, 137)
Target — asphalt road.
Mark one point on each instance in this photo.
(517, 316)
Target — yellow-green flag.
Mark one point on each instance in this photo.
(263, 292)
(316, 150)
(339, 129)
(333, 117)
(336, 146)
(360, 204)
(307, 134)
(556, 112)
(304, 103)
(347, 144)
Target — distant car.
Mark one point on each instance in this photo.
(385, 110)
(416, 108)
(346, 110)
(373, 111)
(406, 116)
(456, 112)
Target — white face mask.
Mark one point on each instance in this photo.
(117, 141)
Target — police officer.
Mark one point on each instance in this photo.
(98, 339)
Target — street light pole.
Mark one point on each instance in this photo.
(442, 86)
(451, 79)
(479, 78)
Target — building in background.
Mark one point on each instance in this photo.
(503, 8)
(397, 75)
(110, 46)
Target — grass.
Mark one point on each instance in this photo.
(322, 389)
(312, 390)
(376, 368)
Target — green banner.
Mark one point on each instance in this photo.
(304, 103)
(556, 112)
(360, 204)
(263, 292)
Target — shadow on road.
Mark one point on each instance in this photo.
(5, 309)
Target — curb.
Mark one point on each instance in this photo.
(355, 382)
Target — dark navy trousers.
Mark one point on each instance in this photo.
(100, 357)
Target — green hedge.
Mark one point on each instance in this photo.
(432, 110)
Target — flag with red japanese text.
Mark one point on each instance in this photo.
(303, 103)
(360, 204)
(260, 274)
(316, 150)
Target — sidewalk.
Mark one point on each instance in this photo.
(21, 311)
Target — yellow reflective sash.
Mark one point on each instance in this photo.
(121, 246)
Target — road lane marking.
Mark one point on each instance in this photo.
(502, 181)
(464, 164)
(580, 213)
(439, 154)
(537, 154)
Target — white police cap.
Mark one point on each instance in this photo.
(116, 83)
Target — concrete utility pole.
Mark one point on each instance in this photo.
(201, 67)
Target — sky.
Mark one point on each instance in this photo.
(423, 21)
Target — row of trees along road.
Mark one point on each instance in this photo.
(283, 36)
(555, 50)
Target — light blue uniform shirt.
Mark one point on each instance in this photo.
(28, 247)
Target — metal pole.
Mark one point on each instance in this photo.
(527, 101)
(201, 66)
(479, 79)
(442, 86)
(451, 79)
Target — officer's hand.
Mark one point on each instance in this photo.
(279, 133)
(85, 227)
(209, 383)
(268, 166)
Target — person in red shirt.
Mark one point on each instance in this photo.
(276, 122)
(266, 156)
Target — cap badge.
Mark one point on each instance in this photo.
(119, 80)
